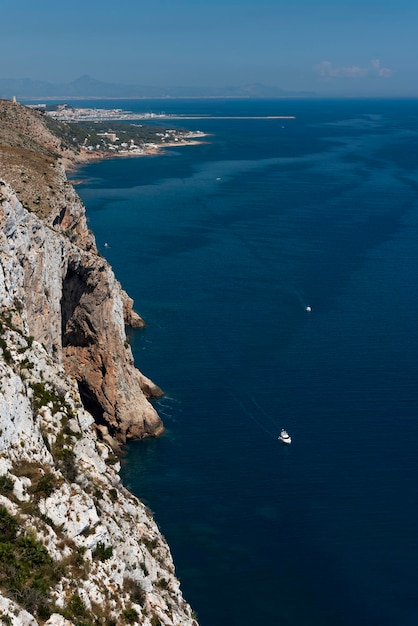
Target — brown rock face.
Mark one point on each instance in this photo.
(96, 352)
(131, 318)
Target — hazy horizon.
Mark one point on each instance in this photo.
(353, 49)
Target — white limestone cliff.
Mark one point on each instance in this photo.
(75, 307)
(76, 547)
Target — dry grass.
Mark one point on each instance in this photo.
(28, 157)
(32, 176)
(21, 127)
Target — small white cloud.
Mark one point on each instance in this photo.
(354, 71)
(380, 71)
(326, 70)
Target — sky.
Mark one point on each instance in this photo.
(338, 47)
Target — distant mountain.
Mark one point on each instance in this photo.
(88, 87)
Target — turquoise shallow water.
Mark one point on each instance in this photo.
(223, 246)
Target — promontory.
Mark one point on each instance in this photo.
(76, 547)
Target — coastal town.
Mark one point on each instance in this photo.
(130, 141)
(66, 113)
(106, 133)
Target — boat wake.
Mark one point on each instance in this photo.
(268, 429)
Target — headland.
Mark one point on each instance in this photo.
(80, 548)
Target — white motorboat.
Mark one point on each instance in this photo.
(309, 309)
(284, 436)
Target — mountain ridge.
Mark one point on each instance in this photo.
(87, 87)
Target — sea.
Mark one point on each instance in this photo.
(224, 247)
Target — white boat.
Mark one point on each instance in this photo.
(309, 309)
(285, 437)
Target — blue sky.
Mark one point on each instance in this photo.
(332, 47)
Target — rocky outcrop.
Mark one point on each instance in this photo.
(74, 305)
(75, 546)
(76, 308)
(96, 353)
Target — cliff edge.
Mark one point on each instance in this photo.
(72, 302)
(76, 548)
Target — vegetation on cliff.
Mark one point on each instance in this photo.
(76, 548)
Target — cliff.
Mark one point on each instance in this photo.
(75, 546)
(72, 302)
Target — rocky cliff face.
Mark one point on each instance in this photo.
(73, 304)
(75, 546)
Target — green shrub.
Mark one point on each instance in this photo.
(26, 571)
(8, 526)
(6, 484)
(7, 355)
(43, 396)
(112, 459)
(44, 611)
(33, 553)
(45, 485)
(98, 493)
(150, 544)
(136, 592)
(66, 462)
(162, 583)
(75, 608)
(130, 615)
(102, 552)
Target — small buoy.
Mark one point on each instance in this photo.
(309, 309)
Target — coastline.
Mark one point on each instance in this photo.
(73, 163)
(70, 389)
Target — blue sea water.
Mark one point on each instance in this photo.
(223, 246)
